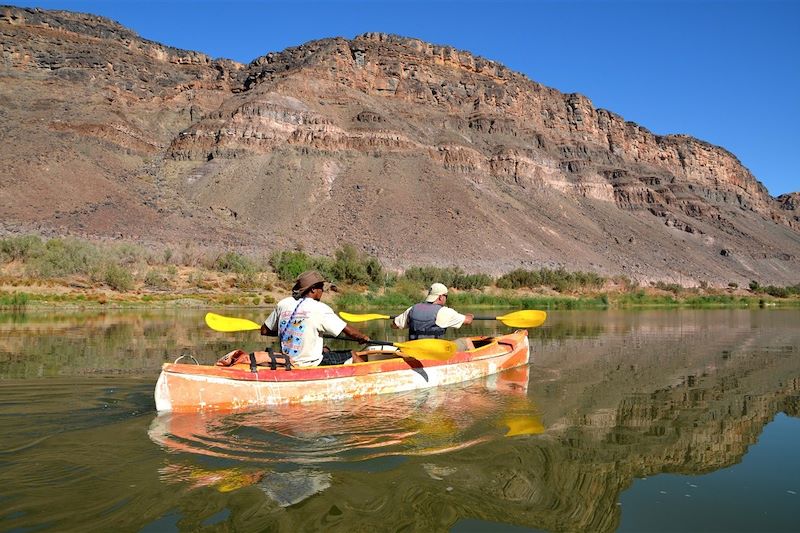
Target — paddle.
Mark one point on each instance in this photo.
(437, 349)
(518, 319)
(431, 349)
(228, 324)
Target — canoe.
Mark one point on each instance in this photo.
(190, 387)
(430, 421)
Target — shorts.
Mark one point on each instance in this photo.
(335, 357)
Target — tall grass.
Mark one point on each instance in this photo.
(14, 300)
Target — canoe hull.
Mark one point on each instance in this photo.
(188, 388)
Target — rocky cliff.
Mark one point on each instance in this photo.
(418, 154)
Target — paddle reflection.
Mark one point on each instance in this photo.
(416, 423)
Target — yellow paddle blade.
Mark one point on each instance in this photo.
(352, 317)
(228, 324)
(438, 349)
(524, 319)
(523, 425)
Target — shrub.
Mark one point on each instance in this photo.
(21, 248)
(290, 264)
(238, 264)
(777, 292)
(452, 277)
(125, 253)
(351, 266)
(627, 283)
(409, 289)
(246, 280)
(559, 280)
(674, 288)
(198, 279)
(65, 257)
(348, 265)
(155, 279)
(118, 278)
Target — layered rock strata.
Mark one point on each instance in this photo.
(414, 152)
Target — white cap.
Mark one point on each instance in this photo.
(436, 290)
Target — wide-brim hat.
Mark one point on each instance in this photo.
(436, 290)
(305, 281)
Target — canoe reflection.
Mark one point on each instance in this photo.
(417, 423)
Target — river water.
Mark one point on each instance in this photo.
(675, 420)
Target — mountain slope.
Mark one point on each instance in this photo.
(416, 153)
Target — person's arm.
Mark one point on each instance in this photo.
(270, 325)
(331, 324)
(401, 320)
(450, 318)
(353, 333)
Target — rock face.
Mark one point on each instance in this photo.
(418, 154)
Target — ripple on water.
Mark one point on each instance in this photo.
(416, 423)
(35, 410)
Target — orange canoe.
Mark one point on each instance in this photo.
(189, 387)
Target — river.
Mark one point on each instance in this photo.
(668, 420)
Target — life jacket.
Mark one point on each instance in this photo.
(422, 322)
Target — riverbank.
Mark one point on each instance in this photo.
(37, 273)
(220, 291)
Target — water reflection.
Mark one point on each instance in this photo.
(610, 399)
(419, 423)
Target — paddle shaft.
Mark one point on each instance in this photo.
(392, 317)
(371, 341)
(527, 318)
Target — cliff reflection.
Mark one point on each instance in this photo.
(683, 393)
(609, 398)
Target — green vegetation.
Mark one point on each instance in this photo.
(14, 300)
(118, 278)
(99, 273)
(157, 280)
(559, 280)
(64, 257)
(21, 248)
(348, 266)
(391, 299)
(290, 264)
(781, 292)
(453, 277)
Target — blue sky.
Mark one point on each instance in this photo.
(726, 72)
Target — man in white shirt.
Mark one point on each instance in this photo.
(430, 319)
(300, 320)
